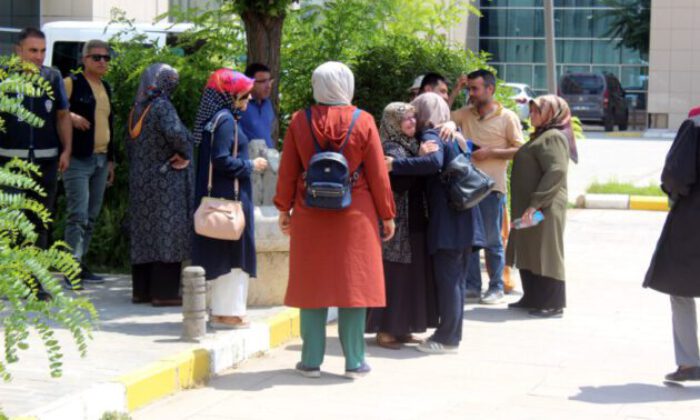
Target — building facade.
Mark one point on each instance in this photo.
(674, 65)
(513, 32)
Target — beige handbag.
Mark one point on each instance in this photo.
(219, 218)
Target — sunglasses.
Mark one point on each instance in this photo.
(98, 57)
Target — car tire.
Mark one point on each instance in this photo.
(608, 122)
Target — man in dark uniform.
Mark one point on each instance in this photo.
(49, 146)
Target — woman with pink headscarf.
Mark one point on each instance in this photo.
(229, 264)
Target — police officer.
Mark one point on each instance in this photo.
(48, 146)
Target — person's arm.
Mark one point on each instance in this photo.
(172, 128)
(461, 84)
(64, 126)
(223, 160)
(514, 136)
(377, 175)
(422, 165)
(552, 154)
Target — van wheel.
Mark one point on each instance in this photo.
(608, 123)
(625, 122)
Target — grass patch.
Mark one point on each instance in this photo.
(616, 187)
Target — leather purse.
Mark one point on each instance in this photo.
(466, 185)
(219, 218)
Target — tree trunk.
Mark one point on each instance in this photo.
(264, 36)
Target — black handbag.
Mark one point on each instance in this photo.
(466, 185)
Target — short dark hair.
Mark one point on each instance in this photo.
(29, 33)
(253, 68)
(489, 78)
(432, 80)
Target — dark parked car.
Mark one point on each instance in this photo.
(596, 98)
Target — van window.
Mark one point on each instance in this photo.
(66, 56)
(582, 84)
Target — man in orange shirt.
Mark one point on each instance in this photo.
(496, 133)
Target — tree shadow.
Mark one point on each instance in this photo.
(636, 393)
(259, 381)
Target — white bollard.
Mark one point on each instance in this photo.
(194, 305)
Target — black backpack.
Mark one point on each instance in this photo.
(328, 180)
(466, 185)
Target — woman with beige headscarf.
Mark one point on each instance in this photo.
(538, 182)
(335, 256)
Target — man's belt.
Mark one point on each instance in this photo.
(24, 153)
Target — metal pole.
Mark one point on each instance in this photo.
(550, 46)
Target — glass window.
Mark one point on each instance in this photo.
(606, 52)
(519, 73)
(539, 51)
(614, 70)
(632, 57)
(574, 23)
(573, 51)
(634, 78)
(495, 47)
(66, 56)
(493, 22)
(520, 22)
(519, 51)
(539, 79)
(602, 22)
(525, 3)
(577, 69)
(500, 70)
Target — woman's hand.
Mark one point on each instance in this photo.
(259, 164)
(388, 229)
(428, 147)
(527, 216)
(178, 162)
(447, 130)
(461, 141)
(389, 163)
(285, 222)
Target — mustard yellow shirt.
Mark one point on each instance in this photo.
(102, 111)
(499, 130)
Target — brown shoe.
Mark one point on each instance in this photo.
(388, 341)
(166, 302)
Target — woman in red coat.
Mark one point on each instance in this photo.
(335, 257)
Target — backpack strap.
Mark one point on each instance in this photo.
(317, 146)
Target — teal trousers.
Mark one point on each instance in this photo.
(351, 329)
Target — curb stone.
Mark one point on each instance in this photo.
(169, 375)
(622, 202)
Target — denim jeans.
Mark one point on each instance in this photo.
(492, 208)
(85, 182)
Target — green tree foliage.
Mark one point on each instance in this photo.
(631, 23)
(24, 268)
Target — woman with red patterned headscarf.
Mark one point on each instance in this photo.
(229, 264)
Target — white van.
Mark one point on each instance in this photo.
(65, 39)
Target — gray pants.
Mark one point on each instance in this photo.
(685, 331)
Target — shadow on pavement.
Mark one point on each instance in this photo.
(372, 350)
(496, 314)
(258, 381)
(636, 393)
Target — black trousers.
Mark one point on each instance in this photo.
(48, 180)
(451, 268)
(156, 280)
(541, 292)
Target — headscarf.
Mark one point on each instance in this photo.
(333, 84)
(222, 89)
(390, 126)
(555, 114)
(431, 110)
(694, 112)
(159, 80)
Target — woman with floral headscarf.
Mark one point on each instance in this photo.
(538, 182)
(410, 288)
(160, 189)
(229, 264)
(335, 256)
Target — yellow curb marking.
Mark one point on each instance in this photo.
(283, 327)
(638, 202)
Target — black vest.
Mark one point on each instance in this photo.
(22, 140)
(83, 103)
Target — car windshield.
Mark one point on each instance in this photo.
(582, 84)
(529, 92)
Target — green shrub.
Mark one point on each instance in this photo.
(617, 187)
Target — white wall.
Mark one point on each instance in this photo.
(674, 60)
(141, 10)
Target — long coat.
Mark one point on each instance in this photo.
(335, 257)
(538, 180)
(448, 229)
(160, 197)
(675, 265)
(218, 256)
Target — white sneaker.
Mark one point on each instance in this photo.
(433, 347)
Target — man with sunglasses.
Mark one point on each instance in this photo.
(92, 161)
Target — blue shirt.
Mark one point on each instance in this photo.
(257, 120)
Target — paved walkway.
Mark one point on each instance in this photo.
(604, 360)
(128, 337)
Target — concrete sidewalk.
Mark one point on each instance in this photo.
(132, 346)
(605, 359)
